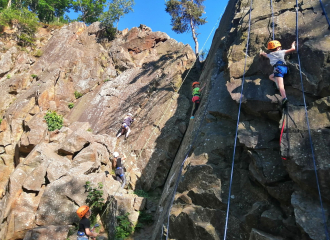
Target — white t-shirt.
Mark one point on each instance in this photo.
(276, 56)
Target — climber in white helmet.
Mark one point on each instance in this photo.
(119, 169)
(125, 127)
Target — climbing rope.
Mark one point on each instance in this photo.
(325, 13)
(271, 6)
(309, 131)
(239, 113)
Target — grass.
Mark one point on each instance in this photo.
(70, 105)
(77, 94)
(38, 53)
(106, 80)
(34, 75)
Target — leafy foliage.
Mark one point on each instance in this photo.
(141, 193)
(27, 23)
(124, 227)
(90, 9)
(53, 120)
(1, 120)
(186, 16)
(8, 76)
(34, 75)
(77, 94)
(94, 199)
(203, 54)
(144, 219)
(117, 9)
(70, 105)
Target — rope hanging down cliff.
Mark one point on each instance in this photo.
(238, 116)
(309, 131)
(325, 13)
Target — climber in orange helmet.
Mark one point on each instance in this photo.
(84, 231)
(196, 93)
(276, 57)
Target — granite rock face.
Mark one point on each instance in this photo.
(44, 173)
(274, 193)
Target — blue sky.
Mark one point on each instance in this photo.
(152, 14)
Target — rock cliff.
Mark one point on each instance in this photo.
(93, 83)
(271, 198)
(274, 193)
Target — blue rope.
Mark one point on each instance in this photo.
(239, 113)
(271, 6)
(325, 13)
(309, 131)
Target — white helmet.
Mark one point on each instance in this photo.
(129, 114)
(116, 154)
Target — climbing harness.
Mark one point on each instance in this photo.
(238, 117)
(309, 131)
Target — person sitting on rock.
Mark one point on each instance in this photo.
(119, 170)
(128, 120)
(276, 57)
(196, 93)
(84, 231)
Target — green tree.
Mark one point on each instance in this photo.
(117, 9)
(186, 16)
(91, 10)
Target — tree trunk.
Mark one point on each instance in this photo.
(194, 36)
(9, 4)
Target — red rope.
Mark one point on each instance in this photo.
(282, 134)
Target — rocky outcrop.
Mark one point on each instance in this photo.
(271, 198)
(44, 173)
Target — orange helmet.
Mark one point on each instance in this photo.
(273, 44)
(82, 211)
(194, 83)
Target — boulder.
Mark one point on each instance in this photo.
(308, 214)
(95, 152)
(74, 142)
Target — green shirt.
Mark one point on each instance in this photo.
(196, 92)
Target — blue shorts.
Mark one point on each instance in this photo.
(280, 71)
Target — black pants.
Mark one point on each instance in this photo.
(196, 105)
(120, 177)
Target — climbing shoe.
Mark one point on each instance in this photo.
(192, 117)
(284, 102)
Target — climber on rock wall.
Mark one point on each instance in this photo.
(125, 127)
(196, 93)
(276, 57)
(84, 231)
(119, 170)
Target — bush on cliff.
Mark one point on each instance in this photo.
(25, 21)
(53, 120)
